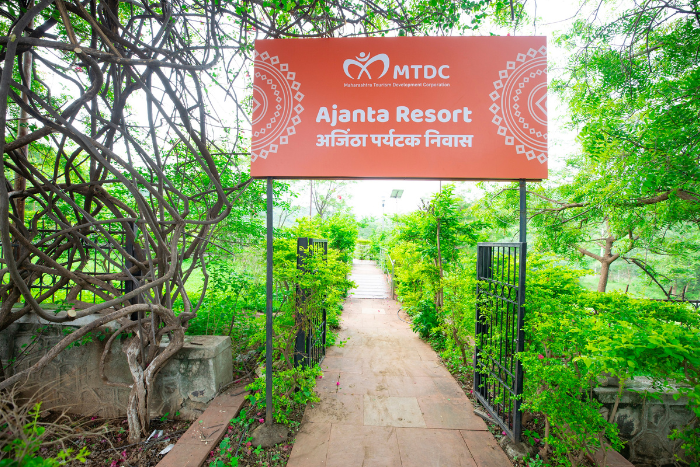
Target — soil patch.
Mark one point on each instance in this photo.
(238, 442)
(112, 448)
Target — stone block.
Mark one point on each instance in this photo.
(185, 385)
(656, 414)
(646, 416)
(628, 421)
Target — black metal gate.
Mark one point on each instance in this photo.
(310, 344)
(498, 374)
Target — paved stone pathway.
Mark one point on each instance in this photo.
(386, 400)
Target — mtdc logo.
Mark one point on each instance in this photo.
(363, 62)
(360, 66)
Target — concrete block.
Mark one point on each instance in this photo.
(646, 416)
(186, 384)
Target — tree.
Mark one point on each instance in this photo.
(632, 88)
(583, 216)
(329, 196)
(631, 85)
(437, 229)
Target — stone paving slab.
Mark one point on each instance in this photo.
(364, 446)
(343, 409)
(362, 384)
(395, 404)
(312, 441)
(327, 383)
(484, 449)
(449, 388)
(392, 411)
(409, 386)
(440, 412)
(433, 448)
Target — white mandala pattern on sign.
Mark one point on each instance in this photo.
(520, 104)
(276, 105)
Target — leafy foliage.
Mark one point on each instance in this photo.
(426, 248)
(290, 389)
(23, 450)
(575, 337)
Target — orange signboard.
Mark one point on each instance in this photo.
(450, 108)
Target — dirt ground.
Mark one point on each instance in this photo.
(112, 449)
(237, 442)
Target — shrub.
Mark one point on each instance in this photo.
(27, 436)
(290, 389)
(576, 336)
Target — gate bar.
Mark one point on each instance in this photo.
(268, 311)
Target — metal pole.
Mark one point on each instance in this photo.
(523, 212)
(268, 321)
(517, 422)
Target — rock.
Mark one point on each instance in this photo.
(606, 379)
(484, 415)
(268, 435)
(629, 422)
(245, 357)
(516, 451)
(650, 447)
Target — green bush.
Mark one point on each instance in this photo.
(290, 389)
(22, 450)
(341, 231)
(576, 336)
(425, 319)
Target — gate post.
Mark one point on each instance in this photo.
(301, 356)
(310, 332)
(498, 374)
(522, 278)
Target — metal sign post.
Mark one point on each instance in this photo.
(268, 312)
